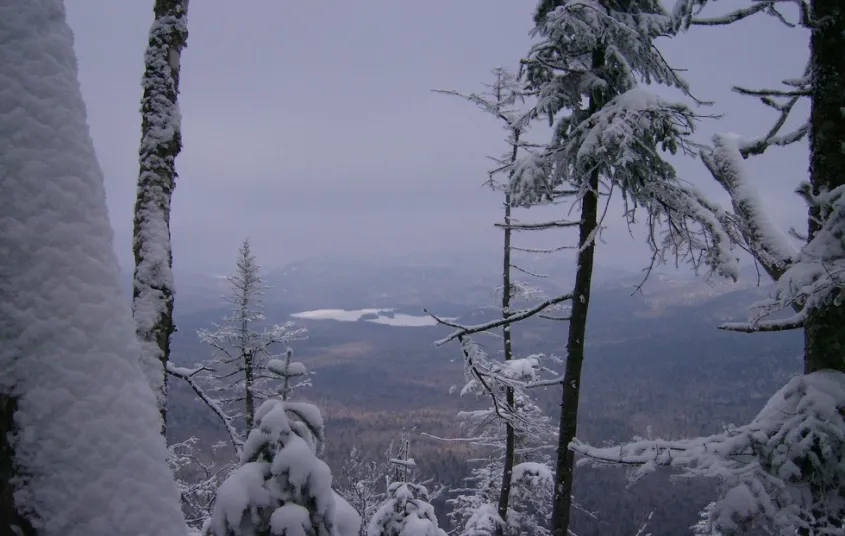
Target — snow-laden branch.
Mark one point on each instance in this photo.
(517, 316)
(765, 241)
(795, 321)
(772, 92)
(188, 376)
(686, 10)
(784, 468)
(814, 277)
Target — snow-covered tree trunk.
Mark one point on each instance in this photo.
(85, 457)
(161, 142)
(824, 336)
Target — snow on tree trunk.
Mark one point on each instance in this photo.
(824, 336)
(87, 458)
(161, 142)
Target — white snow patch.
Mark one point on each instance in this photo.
(383, 316)
(405, 321)
(341, 315)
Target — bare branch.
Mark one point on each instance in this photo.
(178, 372)
(515, 317)
(538, 226)
(528, 272)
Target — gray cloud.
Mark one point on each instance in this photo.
(311, 126)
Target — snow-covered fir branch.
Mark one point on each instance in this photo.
(782, 470)
(686, 13)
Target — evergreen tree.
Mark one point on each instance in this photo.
(241, 366)
(783, 470)
(280, 488)
(407, 510)
(608, 136)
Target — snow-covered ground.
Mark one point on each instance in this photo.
(376, 316)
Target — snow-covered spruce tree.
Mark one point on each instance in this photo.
(407, 510)
(783, 470)
(239, 367)
(161, 142)
(586, 69)
(281, 487)
(80, 452)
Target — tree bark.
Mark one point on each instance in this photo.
(12, 522)
(249, 400)
(824, 333)
(510, 433)
(564, 471)
(161, 142)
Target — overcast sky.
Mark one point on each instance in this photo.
(311, 127)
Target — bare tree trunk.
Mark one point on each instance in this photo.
(507, 341)
(249, 397)
(161, 142)
(824, 333)
(12, 523)
(574, 361)
(247, 357)
(575, 343)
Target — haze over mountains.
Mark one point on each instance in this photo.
(655, 363)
